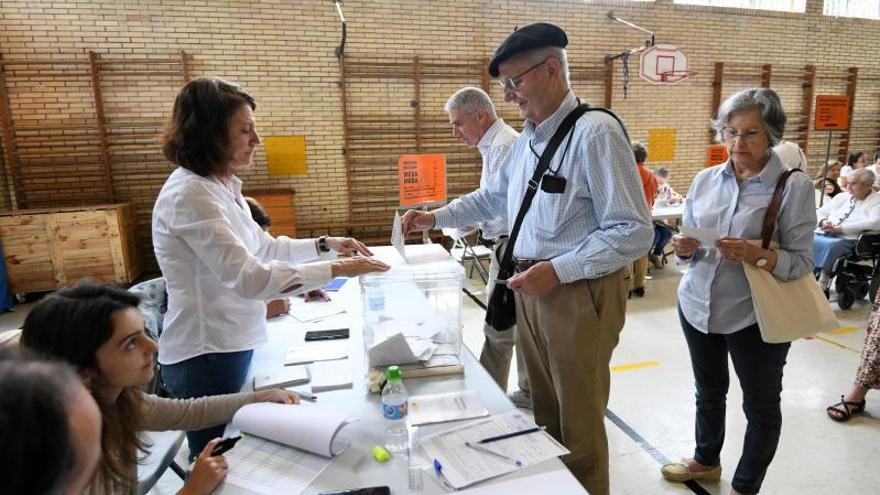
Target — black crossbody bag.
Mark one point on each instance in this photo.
(501, 310)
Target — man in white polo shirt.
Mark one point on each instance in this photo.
(474, 121)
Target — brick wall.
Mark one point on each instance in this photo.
(283, 52)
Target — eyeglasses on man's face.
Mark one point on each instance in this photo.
(512, 83)
(729, 134)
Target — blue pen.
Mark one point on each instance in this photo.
(493, 453)
(438, 470)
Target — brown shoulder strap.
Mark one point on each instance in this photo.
(773, 209)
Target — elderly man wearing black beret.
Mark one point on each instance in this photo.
(588, 220)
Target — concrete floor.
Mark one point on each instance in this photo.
(652, 398)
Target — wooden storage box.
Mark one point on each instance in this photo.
(49, 248)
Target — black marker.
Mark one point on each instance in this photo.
(224, 445)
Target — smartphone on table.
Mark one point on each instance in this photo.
(338, 333)
(373, 490)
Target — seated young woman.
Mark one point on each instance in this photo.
(99, 330)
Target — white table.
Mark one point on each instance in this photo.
(668, 212)
(355, 467)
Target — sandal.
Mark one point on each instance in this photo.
(843, 414)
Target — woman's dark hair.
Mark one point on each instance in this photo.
(40, 456)
(639, 151)
(835, 187)
(854, 157)
(71, 324)
(197, 134)
(258, 213)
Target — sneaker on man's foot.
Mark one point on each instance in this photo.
(521, 398)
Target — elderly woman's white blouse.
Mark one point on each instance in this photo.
(865, 213)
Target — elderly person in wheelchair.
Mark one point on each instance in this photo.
(841, 220)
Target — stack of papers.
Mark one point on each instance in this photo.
(440, 408)
(284, 448)
(315, 310)
(463, 466)
(398, 349)
(285, 377)
(318, 351)
(330, 375)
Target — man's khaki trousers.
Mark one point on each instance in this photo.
(567, 338)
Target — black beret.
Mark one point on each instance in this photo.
(529, 37)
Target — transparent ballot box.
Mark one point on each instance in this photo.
(412, 313)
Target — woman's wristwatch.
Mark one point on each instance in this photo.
(762, 261)
(322, 244)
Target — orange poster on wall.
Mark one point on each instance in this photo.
(422, 179)
(716, 154)
(832, 112)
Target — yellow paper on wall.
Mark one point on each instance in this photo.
(661, 145)
(286, 155)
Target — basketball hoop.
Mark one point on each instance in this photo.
(676, 76)
(663, 63)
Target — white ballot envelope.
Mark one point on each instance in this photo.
(397, 239)
(707, 237)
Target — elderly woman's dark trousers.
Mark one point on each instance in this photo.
(759, 368)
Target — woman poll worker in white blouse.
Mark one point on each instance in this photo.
(218, 264)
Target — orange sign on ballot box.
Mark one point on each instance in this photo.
(422, 179)
(832, 112)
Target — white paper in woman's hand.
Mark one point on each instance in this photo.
(707, 237)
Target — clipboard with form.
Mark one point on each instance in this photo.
(464, 466)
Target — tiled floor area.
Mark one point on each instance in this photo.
(652, 396)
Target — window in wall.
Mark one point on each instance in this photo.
(799, 6)
(866, 9)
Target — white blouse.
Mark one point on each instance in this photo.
(220, 267)
(853, 216)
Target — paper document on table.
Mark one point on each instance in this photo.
(707, 237)
(315, 310)
(536, 483)
(463, 466)
(284, 448)
(285, 377)
(439, 408)
(330, 375)
(397, 239)
(265, 467)
(398, 349)
(316, 351)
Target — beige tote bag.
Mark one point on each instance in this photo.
(786, 310)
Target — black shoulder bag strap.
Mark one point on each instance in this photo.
(506, 266)
(501, 310)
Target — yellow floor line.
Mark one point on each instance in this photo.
(842, 330)
(635, 366)
(838, 344)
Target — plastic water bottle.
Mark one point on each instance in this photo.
(394, 406)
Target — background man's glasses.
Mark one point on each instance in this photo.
(512, 83)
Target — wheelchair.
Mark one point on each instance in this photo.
(858, 274)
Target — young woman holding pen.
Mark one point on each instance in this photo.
(98, 329)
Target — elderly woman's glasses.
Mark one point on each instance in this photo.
(730, 134)
(512, 83)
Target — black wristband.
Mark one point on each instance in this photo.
(322, 244)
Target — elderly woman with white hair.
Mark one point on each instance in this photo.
(842, 219)
(732, 199)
